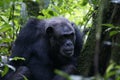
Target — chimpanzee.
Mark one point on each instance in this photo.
(46, 45)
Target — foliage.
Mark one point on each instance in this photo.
(14, 14)
(74, 10)
(112, 71)
(63, 74)
(112, 29)
(4, 66)
(9, 24)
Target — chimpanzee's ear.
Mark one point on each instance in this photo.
(49, 31)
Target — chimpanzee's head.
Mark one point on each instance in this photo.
(62, 35)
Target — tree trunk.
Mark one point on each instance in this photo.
(116, 38)
(111, 15)
(87, 54)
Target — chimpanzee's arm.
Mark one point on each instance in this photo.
(69, 69)
(21, 73)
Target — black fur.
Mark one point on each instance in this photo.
(41, 60)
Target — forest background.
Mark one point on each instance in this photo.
(98, 20)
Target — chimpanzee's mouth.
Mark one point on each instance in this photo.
(68, 52)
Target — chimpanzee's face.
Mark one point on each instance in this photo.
(62, 37)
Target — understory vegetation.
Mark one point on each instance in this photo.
(98, 20)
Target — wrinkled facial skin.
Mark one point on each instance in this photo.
(67, 46)
(64, 37)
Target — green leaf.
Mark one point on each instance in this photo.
(112, 33)
(84, 2)
(5, 70)
(108, 25)
(17, 58)
(63, 74)
(94, 2)
(110, 67)
(110, 74)
(25, 78)
(4, 4)
(117, 66)
(5, 40)
(4, 18)
(3, 29)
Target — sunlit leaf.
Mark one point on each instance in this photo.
(11, 67)
(5, 40)
(3, 29)
(110, 67)
(4, 59)
(108, 29)
(17, 58)
(4, 18)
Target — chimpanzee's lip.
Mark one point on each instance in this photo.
(68, 51)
